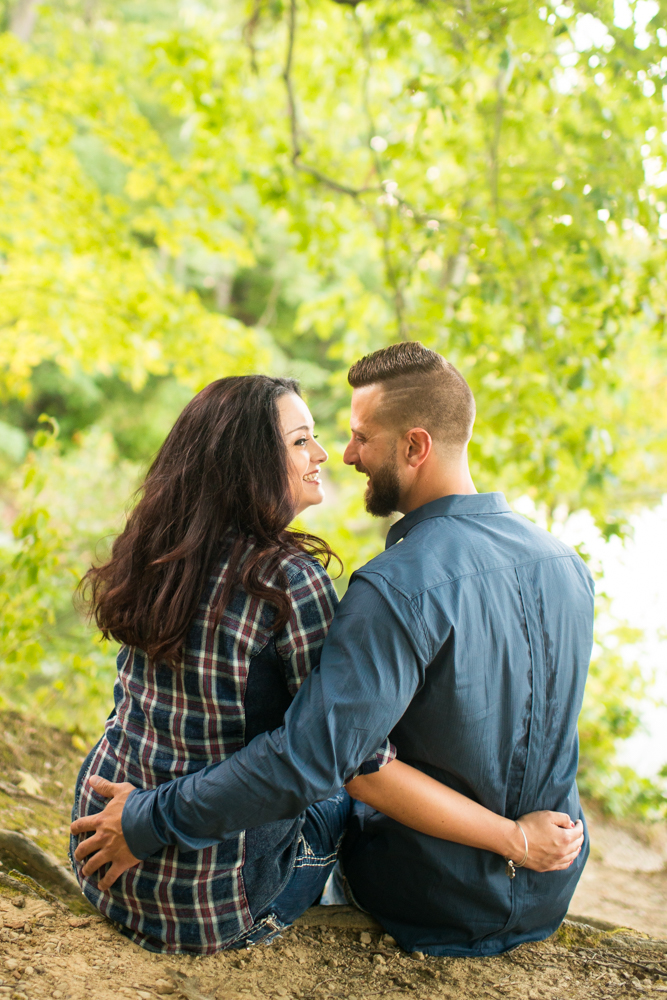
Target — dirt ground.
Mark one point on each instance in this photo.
(625, 879)
(47, 951)
(43, 955)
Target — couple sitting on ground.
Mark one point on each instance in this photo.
(251, 709)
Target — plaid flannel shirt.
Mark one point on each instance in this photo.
(169, 723)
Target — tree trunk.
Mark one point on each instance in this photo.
(22, 18)
(90, 11)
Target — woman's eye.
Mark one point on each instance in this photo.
(301, 441)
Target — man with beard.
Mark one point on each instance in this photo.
(468, 643)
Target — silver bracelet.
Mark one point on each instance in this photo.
(511, 866)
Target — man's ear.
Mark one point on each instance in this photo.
(418, 445)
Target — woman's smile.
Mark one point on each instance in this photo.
(303, 450)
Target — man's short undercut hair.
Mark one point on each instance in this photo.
(420, 388)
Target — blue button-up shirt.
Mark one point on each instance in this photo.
(469, 643)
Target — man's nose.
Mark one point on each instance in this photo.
(351, 455)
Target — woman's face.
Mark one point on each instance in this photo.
(305, 453)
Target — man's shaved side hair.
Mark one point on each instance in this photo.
(419, 389)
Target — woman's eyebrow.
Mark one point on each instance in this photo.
(303, 427)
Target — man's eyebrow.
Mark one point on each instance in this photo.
(303, 427)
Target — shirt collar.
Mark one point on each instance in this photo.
(456, 505)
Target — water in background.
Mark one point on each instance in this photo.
(634, 576)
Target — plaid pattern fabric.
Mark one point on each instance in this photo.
(174, 722)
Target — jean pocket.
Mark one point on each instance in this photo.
(264, 931)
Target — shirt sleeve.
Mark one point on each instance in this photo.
(371, 666)
(386, 753)
(299, 645)
(314, 602)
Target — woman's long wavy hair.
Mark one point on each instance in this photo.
(220, 484)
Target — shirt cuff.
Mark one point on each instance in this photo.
(386, 753)
(138, 824)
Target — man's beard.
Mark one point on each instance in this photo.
(384, 489)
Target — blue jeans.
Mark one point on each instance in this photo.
(321, 835)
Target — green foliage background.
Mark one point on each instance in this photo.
(190, 190)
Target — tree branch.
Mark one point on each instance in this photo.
(318, 175)
(249, 29)
(294, 120)
(390, 200)
(267, 317)
(502, 83)
(287, 77)
(393, 279)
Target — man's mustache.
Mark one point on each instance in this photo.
(362, 469)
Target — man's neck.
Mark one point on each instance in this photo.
(438, 482)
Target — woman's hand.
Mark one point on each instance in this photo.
(424, 804)
(554, 841)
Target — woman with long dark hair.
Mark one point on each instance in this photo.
(222, 609)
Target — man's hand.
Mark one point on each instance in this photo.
(107, 845)
(554, 841)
